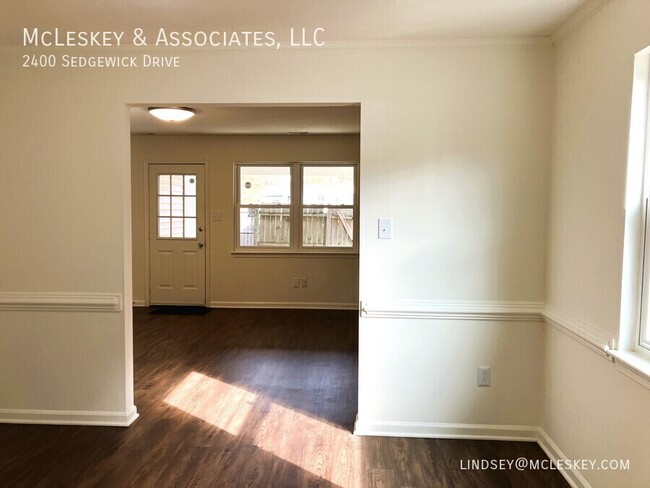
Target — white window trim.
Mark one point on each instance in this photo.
(631, 357)
(296, 247)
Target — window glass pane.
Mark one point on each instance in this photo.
(177, 206)
(190, 206)
(327, 227)
(163, 185)
(264, 227)
(177, 227)
(190, 228)
(190, 184)
(164, 206)
(328, 185)
(164, 228)
(270, 185)
(177, 184)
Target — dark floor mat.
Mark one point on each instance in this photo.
(178, 310)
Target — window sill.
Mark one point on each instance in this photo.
(294, 254)
(633, 365)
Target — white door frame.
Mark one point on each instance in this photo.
(206, 192)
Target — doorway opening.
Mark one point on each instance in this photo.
(245, 224)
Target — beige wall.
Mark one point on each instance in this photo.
(239, 280)
(590, 409)
(454, 148)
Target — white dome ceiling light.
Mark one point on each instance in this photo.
(172, 114)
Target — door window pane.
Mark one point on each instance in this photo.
(177, 227)
(164, 207)
(328, 185)
(164, 227)
(190, 184)
(164, 184)
(177, 206)
(264, 227)
(190, 206)
(177, 184)
(190, 228)
(265, 185)
(327, 227)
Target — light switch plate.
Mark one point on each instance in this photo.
(217, 216)
(385, 228)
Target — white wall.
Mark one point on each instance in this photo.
(590, 409)
(332, 281)
(454, 148)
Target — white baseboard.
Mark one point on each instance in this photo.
(522, 433)
(573, 477)
(68, 417)
(294, 305)
(447, 430)
(139, 303)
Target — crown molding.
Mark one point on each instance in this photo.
(577, 19)
(540, 42)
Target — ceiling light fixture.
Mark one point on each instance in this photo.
(172, 114)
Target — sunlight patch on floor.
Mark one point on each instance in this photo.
(316, 446)
(222, 405)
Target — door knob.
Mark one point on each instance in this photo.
(200, 245)
(200, 229)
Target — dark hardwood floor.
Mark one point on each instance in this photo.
(235, 398)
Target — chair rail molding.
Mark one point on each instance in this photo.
(585, 333)
(65, 302)
(454, 310)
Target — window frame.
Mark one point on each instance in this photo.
(635, 289)
(239, 206)
(296, 246)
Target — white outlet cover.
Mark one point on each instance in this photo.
(483, 376)
(385, 228)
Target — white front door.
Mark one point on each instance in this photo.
(177, 234)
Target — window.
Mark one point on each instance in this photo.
(177, 206)
(296, 207)
(635, 293)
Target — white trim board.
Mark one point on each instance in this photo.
(67, 302)
(586, 334)
(69, 417)
(577, 19)
(633, 366)
(520, 433)
(294, 305)
(572, 476)
(446, 430)
(525, 42)
(459, 310)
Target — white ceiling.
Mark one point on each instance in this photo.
(343, 20)
(229, 119)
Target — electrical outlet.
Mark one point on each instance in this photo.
(483, 376)
(295, 282)
(303, 282)
(385, 228)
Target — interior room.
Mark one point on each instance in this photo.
(396, 243)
